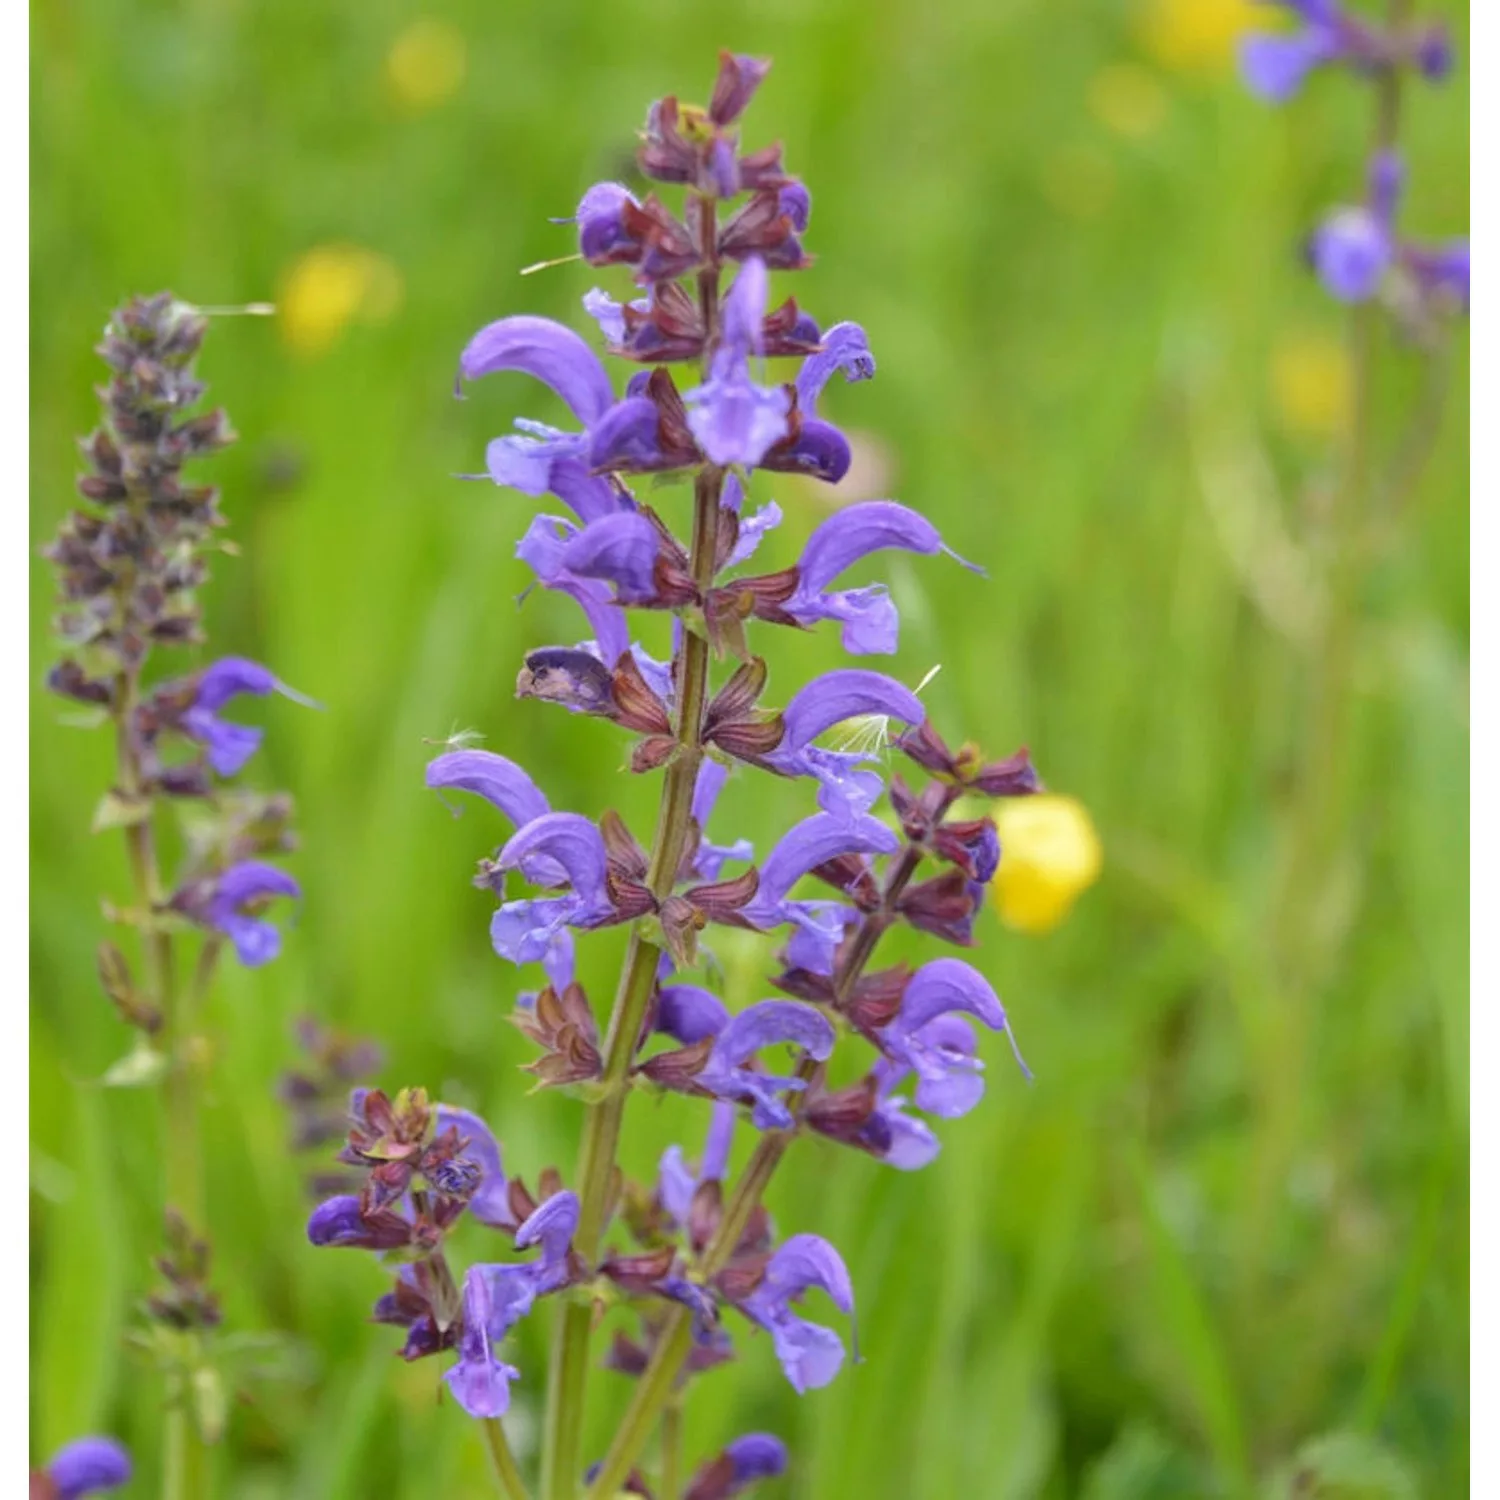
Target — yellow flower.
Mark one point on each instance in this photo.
(1128, 100)
(1197, 36)
(426, 63)
(1310, 383)
(1049, 854)
(328, 287)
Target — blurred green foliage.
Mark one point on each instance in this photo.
(1073, 243)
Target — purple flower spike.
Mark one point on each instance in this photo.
(88, 1466)
(490, 1203)
(810, 1354)
(764, 1024)
(870, 623)
(548, 351)
(734, 420)
(255, 941)
(230, 745)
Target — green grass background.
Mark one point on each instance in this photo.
(1083, 1296)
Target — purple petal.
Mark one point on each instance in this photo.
(745, 308)
(808, 1260)
(944, 986)
(495, 1298)
(710, 782)
(88, 1466)
(491, 1201)
(501, 782)
(757, 1455)
(855, 532)
(548, 351)
(848, 693)
(337, 1222)
(844, 789)
(601, 231)
(796, 203)
(569, 838)
(251, 880)
(526, 462)
(627, 436)
(552, 1226)
(690, 1013)
(1351, 252)
(675, 1184)
(734, 420)
(769, 1022)
(820, 451)
(608, 314)
(844, 347)
(716, 1146)
(818, 929)
(810, 1355)
(535, 932)
(1275, 67)
(228, 678)
(1443, 271)
(909, 1144)
(621, 548)
(811, 843)
(753, 530)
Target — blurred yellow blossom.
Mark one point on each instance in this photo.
(1128, 100)
(330, 286)
(1197, 36)
(1310, 383)
(427, 63)
(1049, 854)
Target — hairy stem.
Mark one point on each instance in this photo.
(568, 1372)
(502, 1460)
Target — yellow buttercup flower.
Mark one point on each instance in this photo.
(427, 63)
(331, 286)
(1049, 854)
(1197, 36)
(1311, 383)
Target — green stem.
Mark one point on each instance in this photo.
(507, 1474)
(671, 1451)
